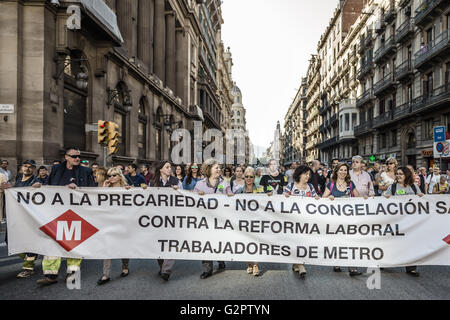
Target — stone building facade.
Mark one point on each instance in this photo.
(384, 82)
(408, 92)
(148, 65)
(295, 129)
(337, 93)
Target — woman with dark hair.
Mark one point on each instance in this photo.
(341, 186)
(227, 174)
(192, 177)
(179, 172)
(404, 186)
(301, 188)
(164, 179)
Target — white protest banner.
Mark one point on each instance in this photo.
(110, 223)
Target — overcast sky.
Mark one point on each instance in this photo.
(272, 42)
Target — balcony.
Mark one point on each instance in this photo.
(333, 119)
(323, 110)
(384, 85)
(402, 111)
(364, 98)
(328, 143)
(365, 69)
(387, 48)
(437, 48)
(404, 32)
(383, 119)
(403, 3)
(322, 128)
(365, 42)
(363, 128)
(405, 71)
(391, 14)
(438, 98)
(428, 10)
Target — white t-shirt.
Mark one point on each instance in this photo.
(431, 181)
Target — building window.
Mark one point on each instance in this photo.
(447, 121)
(158, 136)
(120, 116)
(142, 131)
(383, 140)
(75, 104)
(394, 138)
(347, 122)
(428, 129)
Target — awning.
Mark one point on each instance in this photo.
(99, 10)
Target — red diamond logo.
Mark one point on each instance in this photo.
(69, 230)
(447, 239)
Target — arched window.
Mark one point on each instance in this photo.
(121, 99)
(411, 141)
(142, 130)
(158, 137)
(75, 102)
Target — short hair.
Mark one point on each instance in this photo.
(357, 157)
(335, 159)
(299, 171)
(134, 166)
(4, 160)
(393, 160)
(95, 164)
(146, 166)
(248, 170)
(42, 168)
(72, 148)
(207, 166)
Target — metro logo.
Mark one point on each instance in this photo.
(69, 230)
(63, 229)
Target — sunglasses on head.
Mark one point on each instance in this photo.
(77, 156)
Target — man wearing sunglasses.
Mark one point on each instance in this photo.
(67, 174)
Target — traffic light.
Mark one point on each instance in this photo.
(102, 133)
(113, 138)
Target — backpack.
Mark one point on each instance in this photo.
(394, 189)
(351, 189)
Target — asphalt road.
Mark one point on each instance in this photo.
(277, 282)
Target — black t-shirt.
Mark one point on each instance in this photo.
(277, 183)
(26, 183)
(67, 178)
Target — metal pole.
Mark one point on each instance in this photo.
(105, 155)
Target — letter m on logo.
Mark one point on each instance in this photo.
(64, 230)
(69, 230)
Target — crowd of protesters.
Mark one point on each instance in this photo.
(342, 179)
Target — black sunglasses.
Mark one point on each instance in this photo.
(74, 157)
(112, 175)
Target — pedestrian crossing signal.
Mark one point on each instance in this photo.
(113, 138)
(102, 133)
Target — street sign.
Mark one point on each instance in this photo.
(439, 134)
(6, 108)
(442, 149)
